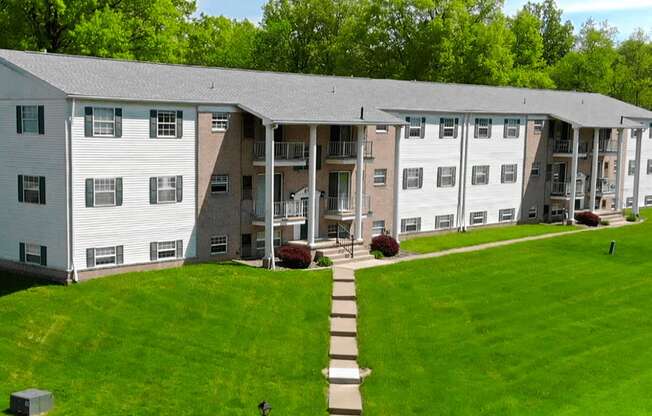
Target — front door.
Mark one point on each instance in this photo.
(303, 231)
(339, 187)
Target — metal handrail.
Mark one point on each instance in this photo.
(565, 146)
(283, 209)
(563, 189)
(344, 243)
(347, 204)
(606, 187)
(608, 146)
(348, 149)
(282, 150)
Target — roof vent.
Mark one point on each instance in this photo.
(212, 85)
(524, 100)
(333, 90)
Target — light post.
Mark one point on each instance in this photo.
(264, 408)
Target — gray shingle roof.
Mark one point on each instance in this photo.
(297, 98)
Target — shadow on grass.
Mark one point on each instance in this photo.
(11, 283)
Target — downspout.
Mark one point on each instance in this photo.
(465, 158)
(460, 180)
(71, 270)
(527, 121)
(197, 182)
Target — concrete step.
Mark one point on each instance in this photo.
(344, 290)
(344, 400)
(343, 348)
(344, 375)
(344, 327)
(356, 258)
(337, 250)
(344, 309)
(343, 275)
(335, 363)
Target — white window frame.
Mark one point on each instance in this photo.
(512, 127)
(441, 220)
(97, 185)
(218, 241)
(31, 184)
(474, 216)
(412, 225)
(166, 126)
(483, 128)
(260, 239)
(446, 177)
(538, 126)
(23, 119)
(480, 171)
(377, 228)
(412, 175)
(535, 170)
(648, 200)
(629, 202)
(556, 210)
(167, 188)
(168, 247)
(506, 215)
(219, 121)
(509, 176)
(649, 166)
(448, 128)
(113, 255)
(382, 175)
(33, 253)
(220, 180)
(413, 128)
(533, 212)
(97, 124)
(382, 128)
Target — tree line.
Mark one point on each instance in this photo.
(463, 41)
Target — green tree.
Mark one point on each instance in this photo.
(633, 70)
(558, 37)
(220, 41)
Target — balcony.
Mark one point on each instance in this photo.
(605, 187)
(285, 213)
(564, 148)
(346, 152)
(563, 189)
(285, 153)
(608, 146)
(343, 208)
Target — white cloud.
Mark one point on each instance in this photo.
(583, 6)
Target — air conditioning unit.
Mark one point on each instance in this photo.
(31, 402)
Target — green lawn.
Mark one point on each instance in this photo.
(479, 236)
(549, 327)
(198, 340)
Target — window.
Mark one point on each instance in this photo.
(536, 169)
(416, 127)
(166, 249)
(478, 218)
(447, 128)
(512, 127)
(557, 211)
(33, 253)
(103, 122)
(219, 184)
(247, 188)
(480, 175)
(29, 119)
(505, 215)
(219, 244)
(260, 239)
(482, 128)
(446, 177)
(629, 202)
(412, 178)
(508, 173)
(615, 167)
(649, 166)
(377, 228)
(650, 130)
(105, 256)
(532, 212)
(538, 126)
(444, 222)
(166, 124)
(631, 168)
(220, 121)
(31, 189)
(166, 189)
(648, 200)
(380, 177)
(104, 192)
(410, 225)
(381, 128)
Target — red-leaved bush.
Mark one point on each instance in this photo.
(587, 218)
(386, 244)
(295, 257)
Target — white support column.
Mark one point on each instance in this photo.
(359, 182)
(312, 185)
(619, 169)
(396, 221)
(573, 184)
(594, 167)
(637, 171)
(269, 197)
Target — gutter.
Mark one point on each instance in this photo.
(464, 148)
(69, 216)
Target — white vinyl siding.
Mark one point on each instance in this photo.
(219, 244)
(220, 122)
(103, 122)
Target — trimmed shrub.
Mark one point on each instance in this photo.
(386, 244)
(377, 254)
(324, 261)
(295, 257)
(604, 222)
(631, 218)
(587, 218)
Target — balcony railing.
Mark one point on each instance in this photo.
(348, 149)
(608, 146)
(284, 209)
(338, 204)
(564, 189)
(565, 146)
(606, 187)
(294, 151)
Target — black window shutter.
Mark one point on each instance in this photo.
(475, 129)
(153, 120)
(19, 119)
(44, 256)
(441, 128)
(490, 128)
(407, 128)
(20, 188)
(119, 255)
(403, 223)
(88, 121)
(420, 178)
(153, 251)
(318, 157)
(41, 120)
(118, 191)
(505, 129)
(117, 130)
(518, 127)
(438, 177)
(404, 178)
(21, 252)
(473, 178)
(423, 127)
(179, 188)
(90, 192)
(153, 185)
(551, 129)
(179, 124)
(335, 133)
(179, 249)
(457, 127)
(41, 190)
(90, 258)
(453, 171)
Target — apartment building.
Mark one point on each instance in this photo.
(112, 166)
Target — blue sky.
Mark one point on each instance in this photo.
(626, 15)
